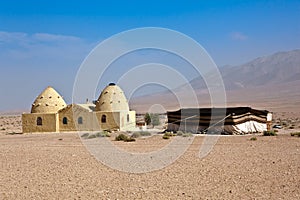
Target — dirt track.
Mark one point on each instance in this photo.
(57, 166)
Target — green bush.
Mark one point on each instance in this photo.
(253, 139)
(296, 134)
(145, 133)
(107, 134)
(11, 133)
(103, 134)
(91, 136)
(136, 135)
(179, 133)
(152, 118)
(166, 137)
(147, 118)
(187, 135)
(121, 137)
(129, 139)
(169, 134)
(269, 133)
(125, 138)
(85, 135)
(98, 134)
(140, 134)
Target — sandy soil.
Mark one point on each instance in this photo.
(10, 124)
(58, 166)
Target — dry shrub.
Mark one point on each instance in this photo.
(125, 138)
(121, 137)
(253, 139)
(166, 137)
(269, 133)
(295, 134)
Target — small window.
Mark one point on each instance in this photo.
(128, 118)
(103, 119)
(39, 121)
(65, 120)
(79, 120)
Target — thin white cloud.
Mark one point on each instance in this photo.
(6, 37)
(20, 47)
(53, 37)
(238, 36)
(20, 37)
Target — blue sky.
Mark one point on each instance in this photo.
(44, 42)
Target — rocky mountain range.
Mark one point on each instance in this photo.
(269, 82)
(279, 68)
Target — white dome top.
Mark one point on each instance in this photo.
(49, 101)
(112, 99)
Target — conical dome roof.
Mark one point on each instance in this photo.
(49, 101)
(112, 99)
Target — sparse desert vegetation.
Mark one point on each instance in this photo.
(296, 134)
(125, 138)
(288, 120)
(168, 135)
(217, 165)
(138, 134)
(187, 135)
(95, 135)
(253, 138)
(269, 133)
(10, 124)
(61, 158)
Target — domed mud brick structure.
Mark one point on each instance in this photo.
(49, 113)
(112, 109)
(49, 101)
(44, 112)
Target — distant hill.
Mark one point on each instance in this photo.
(269, 82)
(13, 112)
(282, 67)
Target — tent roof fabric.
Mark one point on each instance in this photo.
(208, 116)
(229, 110)
(49, 101)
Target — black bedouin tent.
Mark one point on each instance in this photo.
(232, 120)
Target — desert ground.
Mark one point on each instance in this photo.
(58, 166)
